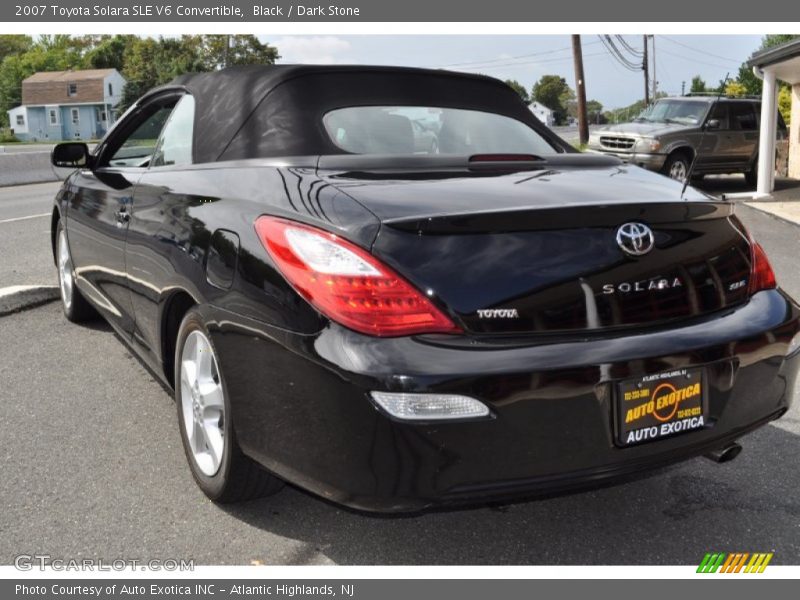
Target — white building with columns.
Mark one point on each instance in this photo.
(781, 63)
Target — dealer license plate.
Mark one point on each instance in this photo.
(656, 406)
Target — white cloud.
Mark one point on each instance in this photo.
(305, 49)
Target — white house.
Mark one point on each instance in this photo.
(544, 114)
(778, 63)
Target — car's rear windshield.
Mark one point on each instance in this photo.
(430, 130)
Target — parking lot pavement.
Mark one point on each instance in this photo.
(25, 235)
(92, 466)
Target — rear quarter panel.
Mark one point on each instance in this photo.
(175, 213)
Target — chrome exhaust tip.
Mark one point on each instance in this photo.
(725, 454)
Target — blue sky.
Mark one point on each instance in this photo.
(527, 58)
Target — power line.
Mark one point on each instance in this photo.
(617, 55)
(532, 62)
(667, 74)
(510, 58)
(628, 47)
(699, 51)
(710, 64)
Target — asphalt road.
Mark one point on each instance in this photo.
(92, 466)
(25, 212)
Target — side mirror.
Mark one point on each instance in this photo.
(712, 124)
(71, 155)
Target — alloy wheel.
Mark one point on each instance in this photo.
(65, 278)
(678, 170)
(203, 403)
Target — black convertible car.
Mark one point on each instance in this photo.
(396, 288)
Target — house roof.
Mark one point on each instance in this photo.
(783, 59)
(540, 106)
(68, 76)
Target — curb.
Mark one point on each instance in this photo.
(22, 297)
(769, 213)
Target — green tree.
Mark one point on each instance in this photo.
(594, 111)
(627, 113)
(108, 52)
(520, 89)
(553, 92)
(746, 77)
(11, 45)
(698, 85)
(785, 103)
(150, 62)
(735, 88)
(144, 62)
(48, 53)
(219, 51)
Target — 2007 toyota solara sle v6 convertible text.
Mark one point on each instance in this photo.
(397, 289)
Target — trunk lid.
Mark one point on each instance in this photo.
(537, 251)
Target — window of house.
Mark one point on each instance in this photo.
(72, 89)
(101, 115)
(52, 116)
(76, 116)
(110, 90)
(175, 145)
(20, 120)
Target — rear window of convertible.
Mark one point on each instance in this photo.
(430, 130)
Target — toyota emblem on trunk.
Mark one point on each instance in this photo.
(635, 239)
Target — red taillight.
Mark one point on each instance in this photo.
(347, 284)
(762, 277)
(503, 158)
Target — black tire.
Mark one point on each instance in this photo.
(76, 308)
(238, 477)
(751, 176)
(676, 163)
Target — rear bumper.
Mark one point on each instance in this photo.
(301, 405)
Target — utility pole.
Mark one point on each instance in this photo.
(646, 74)
(580, 85)
(655, 79)
(225, 53)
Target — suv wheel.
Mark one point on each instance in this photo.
(677, 166)
(751, 176)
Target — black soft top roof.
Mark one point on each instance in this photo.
(277, 110)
